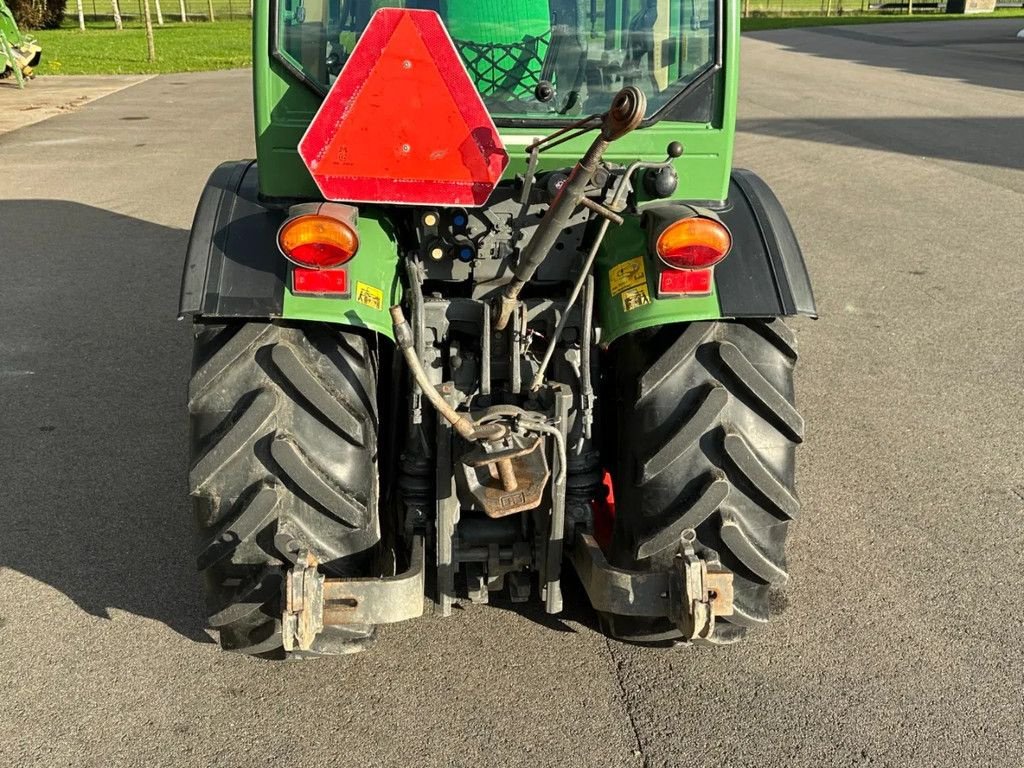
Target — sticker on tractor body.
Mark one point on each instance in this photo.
(633, 298)
(369, 296)
(628, 274)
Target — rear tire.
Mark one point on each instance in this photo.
(283, 435)
(705, 434)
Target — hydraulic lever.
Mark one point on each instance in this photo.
(626, 113)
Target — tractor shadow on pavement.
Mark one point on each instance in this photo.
(576, 608)
(976, 140)
(983, 52)
(93, 377)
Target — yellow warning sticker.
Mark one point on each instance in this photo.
(635, 297)
(626, 275)
(370, 296)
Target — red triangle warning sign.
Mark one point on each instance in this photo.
(404, 123)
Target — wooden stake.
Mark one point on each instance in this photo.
(150, 44)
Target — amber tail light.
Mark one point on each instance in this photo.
(697, 242)
(317, 241)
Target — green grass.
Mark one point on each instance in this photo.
(759, 23)
(102, 50)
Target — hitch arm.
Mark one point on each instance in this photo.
(626, 113)
(689, 594)
(312, 601)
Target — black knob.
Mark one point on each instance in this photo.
(544, 92)
(661, 183)
(675, 149)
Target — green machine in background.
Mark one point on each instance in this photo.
(491, 301)
(19, 53)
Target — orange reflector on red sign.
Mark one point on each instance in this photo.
(403, 123)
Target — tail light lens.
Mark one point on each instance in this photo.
(694, 243)
(317, 241)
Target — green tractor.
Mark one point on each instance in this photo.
(19, 53)
(491, 309)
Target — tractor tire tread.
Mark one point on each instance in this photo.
(707, 444)
(284, 446)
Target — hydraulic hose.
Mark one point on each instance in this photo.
(466, 427)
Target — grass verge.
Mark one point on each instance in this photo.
(102, 50)
(760, 23)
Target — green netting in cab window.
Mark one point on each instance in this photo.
(503, 42)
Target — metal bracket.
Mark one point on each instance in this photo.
(689, 594)
(696, 595)
(507, 476)
(303, 603)
(312, 601)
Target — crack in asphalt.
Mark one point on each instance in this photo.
(638, 749)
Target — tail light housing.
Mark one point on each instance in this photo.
(319, 236)
(696, 242)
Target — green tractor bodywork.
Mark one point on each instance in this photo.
(19, 53)
(286, 98)
(507, 386)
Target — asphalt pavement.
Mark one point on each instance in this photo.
(898, 151)
(45, 97)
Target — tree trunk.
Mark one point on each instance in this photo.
(81, 16)
(159, 14)
(209, 4)
(150, 44)
(117, 14)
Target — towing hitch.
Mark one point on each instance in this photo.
(690, 594)
(312, 601)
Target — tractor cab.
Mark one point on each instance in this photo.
(537, 59)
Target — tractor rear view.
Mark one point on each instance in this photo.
(491, 304)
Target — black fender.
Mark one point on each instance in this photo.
(764, 275)
(232, 266)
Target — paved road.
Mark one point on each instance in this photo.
(44, 97)
(898, 150)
